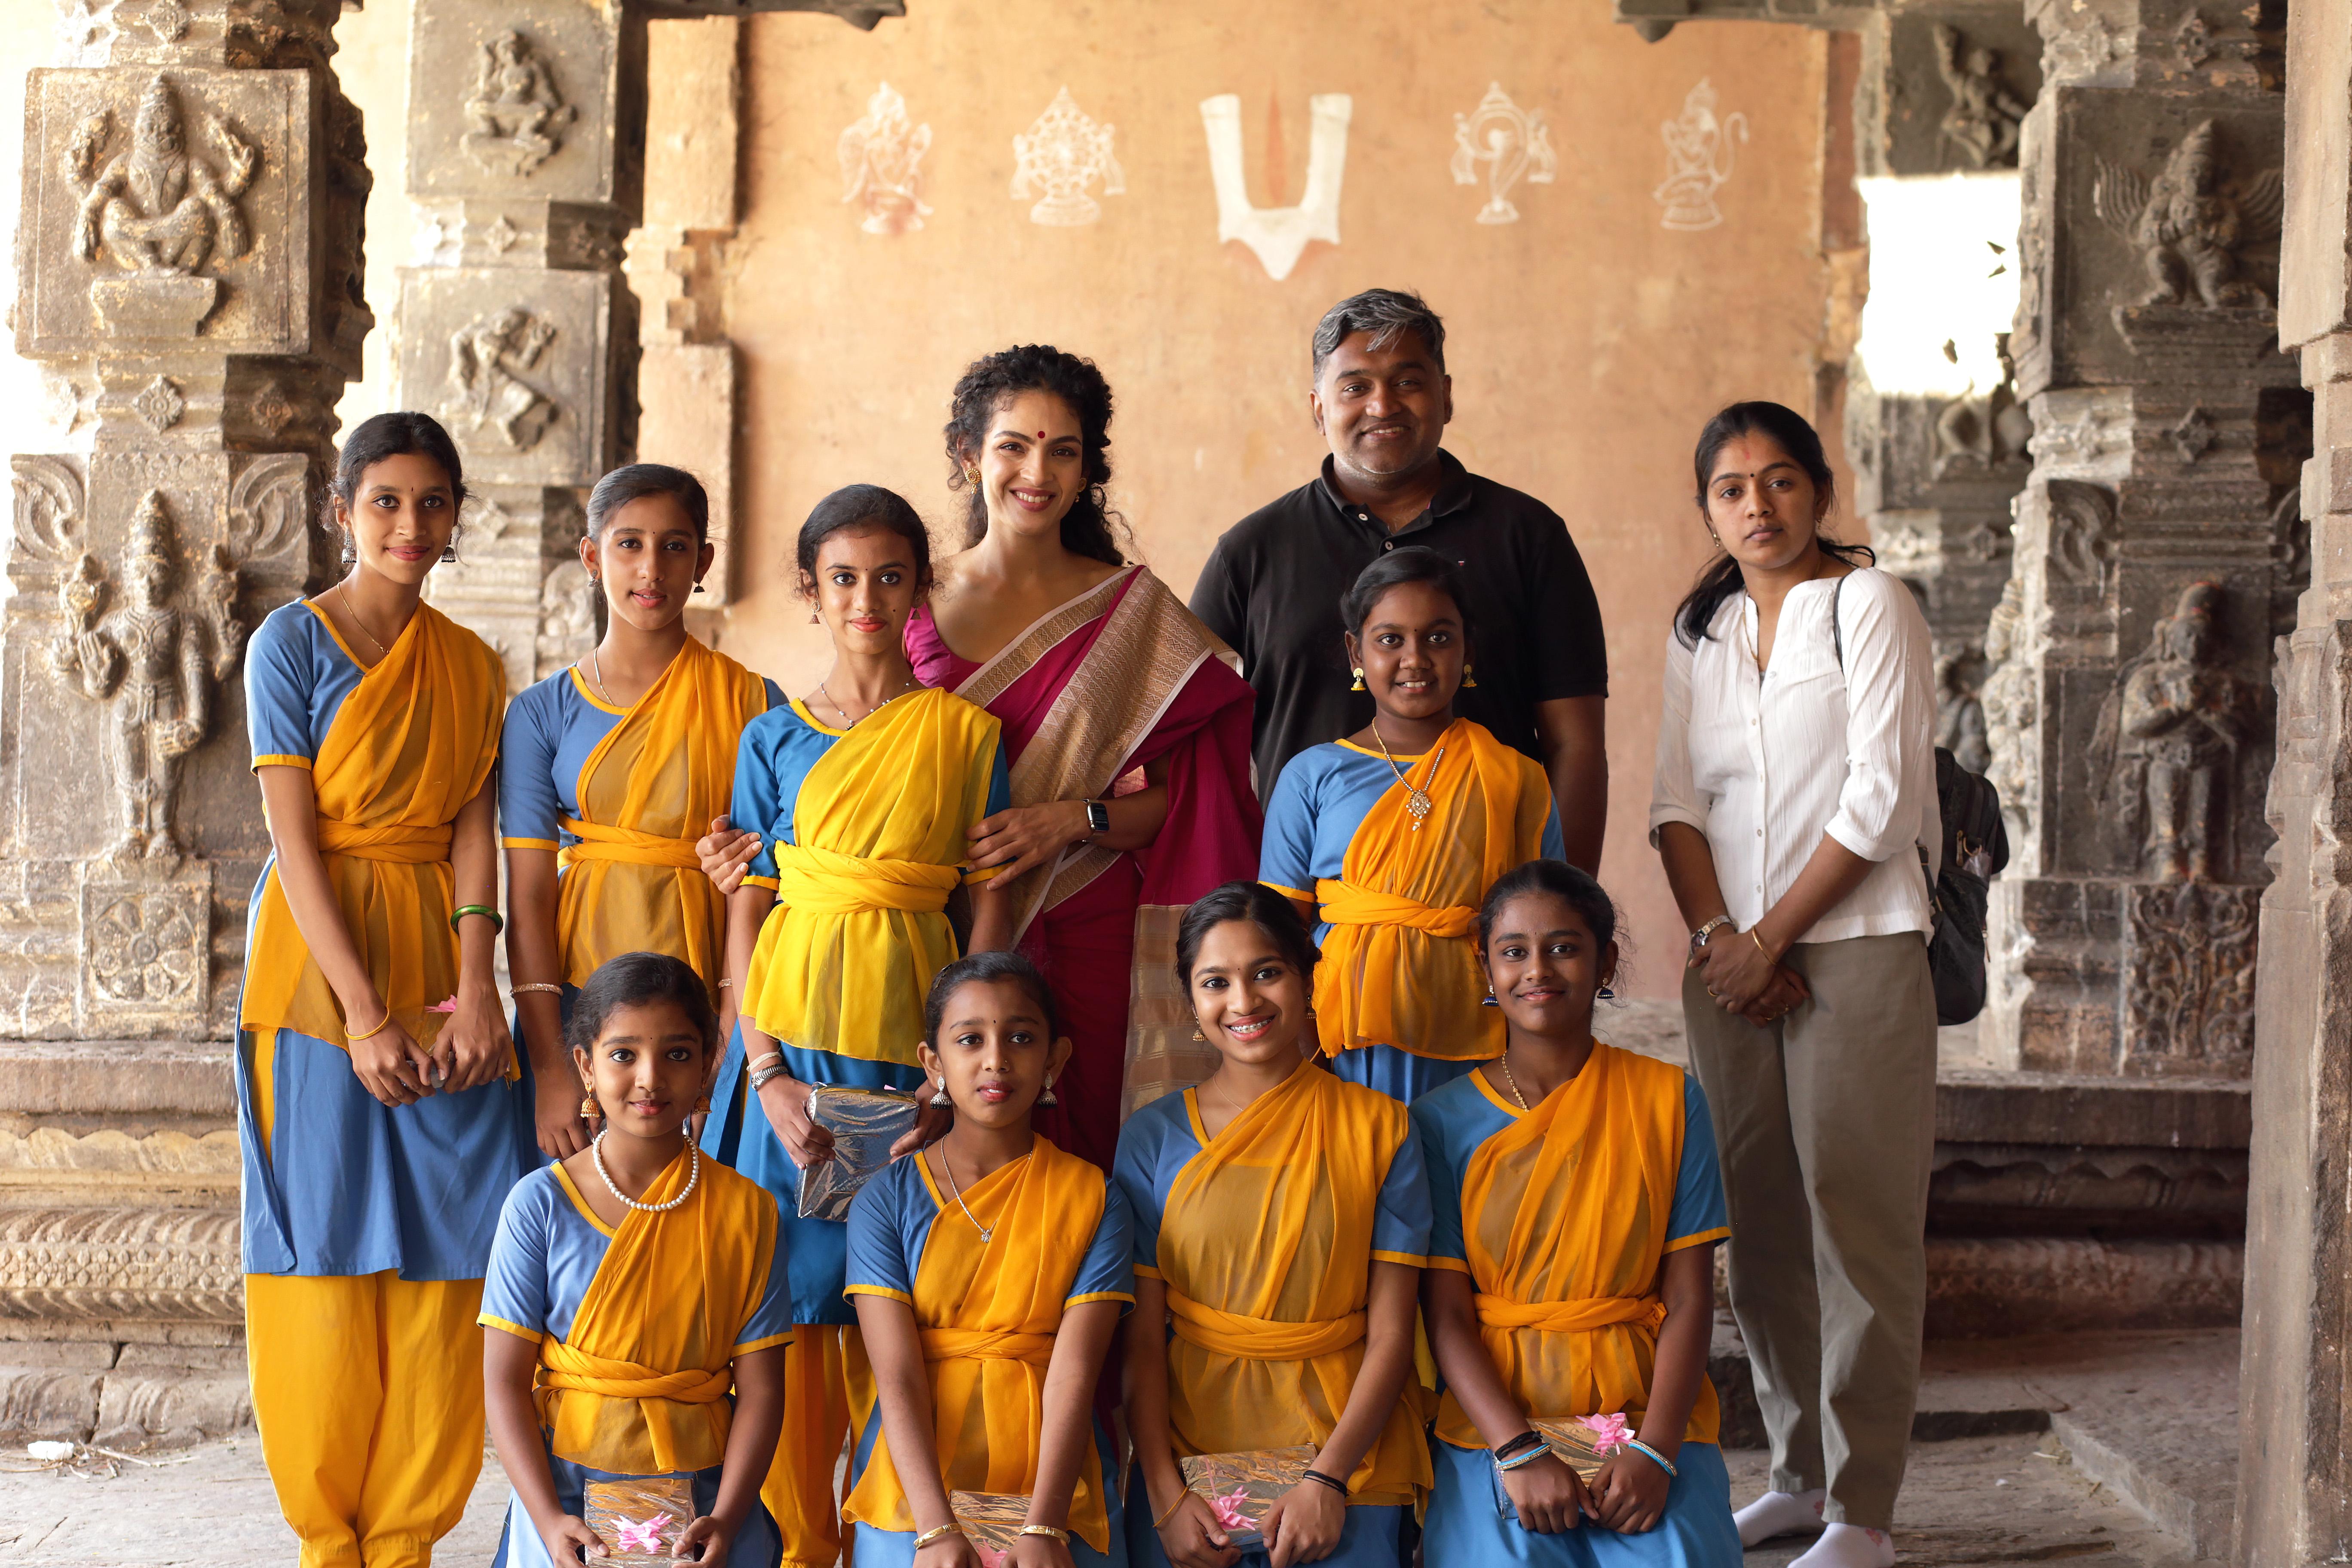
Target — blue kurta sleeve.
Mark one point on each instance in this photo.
(1445, 1248)
(880, 1261)
(1107, 1273)
(753, 808)
(1000, 782)
(1698, 1213)
(277, 683)
(529, 811)
(1401, 1224)
(1286, 855)
(775, 693)
(1555, 847)
(514, 1291)
(770, 1323)
(1142, 1145)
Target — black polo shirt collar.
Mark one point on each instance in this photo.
(1453, 493)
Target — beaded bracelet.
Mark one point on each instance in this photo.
(498, 922)
(1336, 1485)
(552, 990)
(1664, 1463)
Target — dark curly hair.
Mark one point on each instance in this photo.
(1089, 527)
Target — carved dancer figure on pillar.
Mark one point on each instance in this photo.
(488, 361)
(2167, 745)
(642, 1304)
(1392, 836)
(157, 209)
(611, 768)
(989, 1270)
(1983, 119)
(1795, 809)
(515, 113)
(1281, 1217)
(1571, 1266)
(856, 796)
(376, 1094)
(154, 664)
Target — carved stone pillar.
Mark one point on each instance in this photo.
(2131, 724)
(189, 264)
(526, 142)
(2295, 1466)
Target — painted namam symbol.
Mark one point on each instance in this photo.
(1513, 142)
(1699, 160)
(881, 163)
(1278, 234)
(1062, 153)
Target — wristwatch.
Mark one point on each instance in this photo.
(1097, 819)
(1698, 937)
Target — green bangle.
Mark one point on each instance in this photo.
(498, 922)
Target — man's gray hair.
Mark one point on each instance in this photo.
(1388, 314)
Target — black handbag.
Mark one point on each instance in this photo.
(1976, 849)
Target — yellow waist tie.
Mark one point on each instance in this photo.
(1346, 905)
(398, 844)
(598, 842)
(1261, 1338)
(986, 1345)
(826, 882)
(1571, 1317)
(563, 1367)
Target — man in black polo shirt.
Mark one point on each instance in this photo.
(1271, 587)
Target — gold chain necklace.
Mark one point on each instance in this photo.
(1503, 1061)
(343, 594)
(947, 1164)
(1417, 801)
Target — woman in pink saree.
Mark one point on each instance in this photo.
(1129, 731)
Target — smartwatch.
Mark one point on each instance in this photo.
(1097, 819)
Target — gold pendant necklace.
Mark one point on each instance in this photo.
(947, 1164)
(1417, 801)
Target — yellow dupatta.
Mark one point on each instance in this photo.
(647, 792)
(408, 748)
(640, 1385)
(1399, 966)
(1564, 1216)
(988, 1313)
(847, 955)
(1265, 1248)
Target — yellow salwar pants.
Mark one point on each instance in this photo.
(367, 1392)
(828, 1397)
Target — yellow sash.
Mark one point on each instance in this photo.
(1564, 1217)
(640, 1385)
(410, 746)
(646, 792)
(1399, 966)
(987, 1313)
(1266, 1251)
(857, 931)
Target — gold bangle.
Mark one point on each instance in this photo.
(1162, 1522)
(369, 1034)
(1760, 947)
(936, 1533)
(551, 990)
(1048, 1530)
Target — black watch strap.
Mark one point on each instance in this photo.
(1098, 817)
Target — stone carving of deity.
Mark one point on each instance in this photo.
(1513, 142)
(152, 662)
(156, 209)
(489, 363)
(1062, 153)
(1983, 119)
(2187, 226)
(881, 163)
(517, 118)
(2167, 740)
(2009, 702)
(1699, 160)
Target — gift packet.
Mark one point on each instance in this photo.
(639, 1522)
(864, 1122)
(1240, 1488)
(1583, 1443)
(991, 1522)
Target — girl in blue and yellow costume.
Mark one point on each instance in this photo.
(632, 1283)
(1571, 1265)
(1391, 838)
(609, 771)
(375, 1077)
(1281, 1215)
(858, 794)
(990, 1270)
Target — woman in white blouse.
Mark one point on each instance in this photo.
(1796, 786)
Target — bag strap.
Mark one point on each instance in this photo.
(1837, 632)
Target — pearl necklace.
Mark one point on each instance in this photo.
(693, 1175)
(848, 723)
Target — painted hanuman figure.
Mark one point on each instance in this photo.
(157, 209)
(154, 664)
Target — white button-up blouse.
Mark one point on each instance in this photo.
(1764, 764)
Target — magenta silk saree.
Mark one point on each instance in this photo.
(1119, 679)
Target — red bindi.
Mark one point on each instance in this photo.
(1041, 435)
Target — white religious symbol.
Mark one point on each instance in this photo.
(1513, 142)
(881, 158)
(1278, 234)
(1062, 153)
(1698, 159)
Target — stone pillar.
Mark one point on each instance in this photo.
(2131, 722)
(188, 275)
(526, 145)
(2295, 1466)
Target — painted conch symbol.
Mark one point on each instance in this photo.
(1278, 234)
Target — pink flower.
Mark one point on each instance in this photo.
(1609, 1432)
(450, 1005)
(1228, 1509)
(645, 1536)
(989, 1557)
